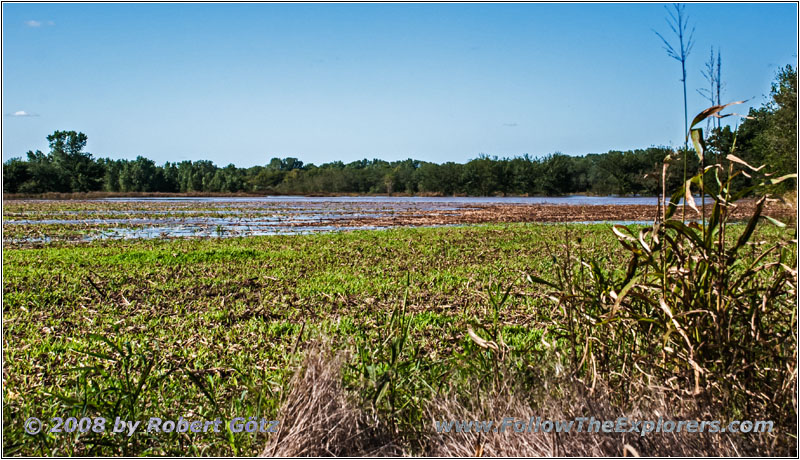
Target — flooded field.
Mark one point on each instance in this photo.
(32, 222)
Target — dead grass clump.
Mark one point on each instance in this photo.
(472, 444)
(319, 420)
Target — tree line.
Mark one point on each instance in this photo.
(768, 136)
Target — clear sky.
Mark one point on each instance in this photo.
(241, 83)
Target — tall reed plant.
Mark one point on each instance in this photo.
(702, 308)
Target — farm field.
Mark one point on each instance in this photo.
(216, 327)
(30, 223)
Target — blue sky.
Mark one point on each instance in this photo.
(322, 82)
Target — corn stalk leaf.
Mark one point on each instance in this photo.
(673, 203)
(712, 112)
(783, 178)
(699, 143)
(736, 159)
(748, 231)
(688, 196)
(536, 279)
(481, 342)
(775, 222)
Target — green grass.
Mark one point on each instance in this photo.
(211, 328)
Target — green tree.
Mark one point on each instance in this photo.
(138, 176)
(780, 135)
(82, 173)
(15, 174)
(555, 174)
(769, 135)
(46, 176)
(479, 176)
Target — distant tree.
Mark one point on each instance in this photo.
(226, 179)
(404, 173)
(266, 179)
(82, 173)
(138, 175)
(205, 171)
(554, 178)
(284, 164)
(188, 180)
(290, 164)
(15, 174)
(112, 169)
(479, 176)
(652, 168)
(46, 176)
(618, 170)
(171, 182)
(780, 137)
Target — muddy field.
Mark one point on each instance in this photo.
(545, 213)
(36, 222)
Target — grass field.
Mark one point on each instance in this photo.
(215, 328)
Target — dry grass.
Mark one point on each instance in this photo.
(578, 403)
(319, 420)
(790, 201)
